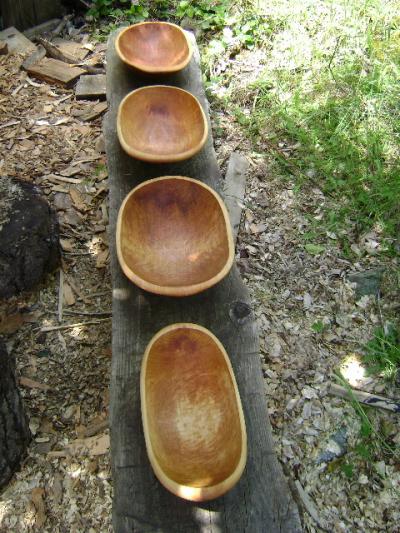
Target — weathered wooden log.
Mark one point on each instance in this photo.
(261, 501)
(29, 241)
(14, 429)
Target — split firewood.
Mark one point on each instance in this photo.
(55, 53)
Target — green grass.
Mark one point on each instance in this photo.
(334, 95)
(382, 353)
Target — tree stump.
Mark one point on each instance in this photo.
(29, 239)
(14, 429)
(28, 13)
(261, 501)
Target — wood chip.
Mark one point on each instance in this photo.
(94, 112)
(37, 496)
(3, 48)
(32, 384)
(77, 199)
(69, 297)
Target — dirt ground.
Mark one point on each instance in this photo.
(60, 334)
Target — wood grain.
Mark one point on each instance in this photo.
(261, 501)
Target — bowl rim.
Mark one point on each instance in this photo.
(169, 290)
(155, 70)
(183, 491)
(160, 158)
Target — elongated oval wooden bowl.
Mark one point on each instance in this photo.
(192, 414)
(154, 47)
(174, 236)
(161, 124)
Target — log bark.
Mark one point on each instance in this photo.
(261, 501)
(29, 243)
(14, 429)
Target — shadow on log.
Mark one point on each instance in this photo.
(29, 240)
(14, 429)
(261, 501)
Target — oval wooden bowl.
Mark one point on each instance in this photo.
(192, 414)
(161, 124)
(174, 236)
(154, 47)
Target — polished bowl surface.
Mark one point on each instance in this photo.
(174, 236)
(161, 124)
(192, 414)
(154, 47)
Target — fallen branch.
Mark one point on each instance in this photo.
(372, 400)
(46, 329)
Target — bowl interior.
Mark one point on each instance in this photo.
(173, 233)
(192, 410)
(154, 46)
(161, 121)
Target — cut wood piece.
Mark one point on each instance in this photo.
(16, 41)
(71, 49)
(3, 48)
(94, 111)
(91, 86)
(54, 71)
(260, 501)
(234, 189)
(36, 56)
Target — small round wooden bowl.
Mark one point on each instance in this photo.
(174, 236)
(154, 47)
(161, 124)
(192, 415)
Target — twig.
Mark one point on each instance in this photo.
(372, 400)
(70, 326)
(333, 55)
(60, 296)
(58, 29)
(88, 313)
(309, 505)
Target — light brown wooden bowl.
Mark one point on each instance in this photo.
(154, 47)
(174, 236)
(192, 414)
(161, 124)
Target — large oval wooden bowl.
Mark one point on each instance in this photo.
(154, 47)
(161, 124)
(174, 236)
(192, 414)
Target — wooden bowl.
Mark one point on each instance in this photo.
(161, 124)
(174, 236)
(192, 414)
(154, 47)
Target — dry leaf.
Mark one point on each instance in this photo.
(102, 259)
(32, 384)
(11, 323)
(77, 199)
(69, 296)
(37, 500)
(67, 245)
